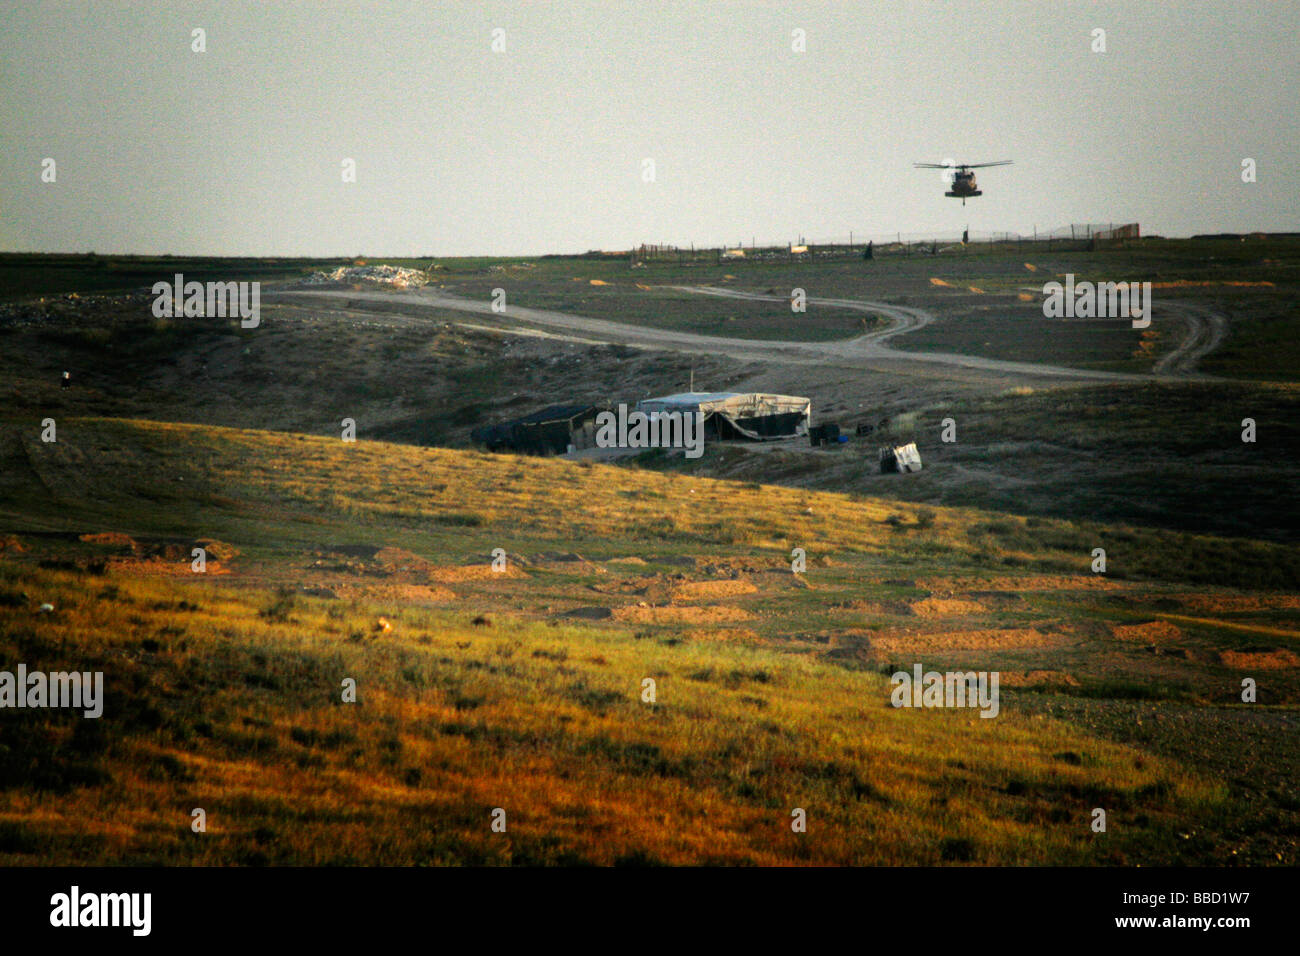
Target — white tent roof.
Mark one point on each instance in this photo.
(738, 407)
(725, 401)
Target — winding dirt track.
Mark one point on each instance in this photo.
(1205, 333)
(867, 351)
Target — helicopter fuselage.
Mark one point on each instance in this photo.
(963, 185)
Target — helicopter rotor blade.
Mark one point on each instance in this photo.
(934, 166)
(1000, 162)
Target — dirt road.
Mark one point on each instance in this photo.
(865, 352)
(1205, 333)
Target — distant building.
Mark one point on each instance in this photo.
(548, 431)
(754, 416)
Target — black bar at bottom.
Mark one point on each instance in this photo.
(214, 905)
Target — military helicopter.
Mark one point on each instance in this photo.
(963, 180)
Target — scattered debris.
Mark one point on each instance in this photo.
(900, 458)
(394, 276)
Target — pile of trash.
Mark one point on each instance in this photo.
(70, 307)
(394, 276)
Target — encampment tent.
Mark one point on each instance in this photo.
(746, 415)
(549, 431)
(900, 458)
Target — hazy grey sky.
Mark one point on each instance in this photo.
(462, 150)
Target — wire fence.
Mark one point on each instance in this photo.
(854, 245)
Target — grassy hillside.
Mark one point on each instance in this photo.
(522, 689)
(1167, 455)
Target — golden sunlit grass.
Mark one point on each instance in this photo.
(241, 715)
(225, 690)
(167, 470)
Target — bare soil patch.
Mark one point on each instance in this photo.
(933, 607)
(1036, 679)
(1259, 660)
(1152, 632)
(998, 639)
(1030, 582)
(681, 614)
(710, 590)
(473, 572)
(726, 635)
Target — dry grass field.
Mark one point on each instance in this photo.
(523, 689)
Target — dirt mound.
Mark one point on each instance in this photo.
(1152, 632)
(114, 539)
(710, 590)
(1273, 660)
(163, 566)
(473, 572)
(628, 560)
(396, 593)
(680, 614)
(726, 635)
(167, 551)
(592, 613)
(364, 551)
(1037, 679)
(974, 640)
(1233, 602)
(933, 607)
(165, 556)
(398, 559)
(1030, 582)
(734, 567)
(218, 549)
